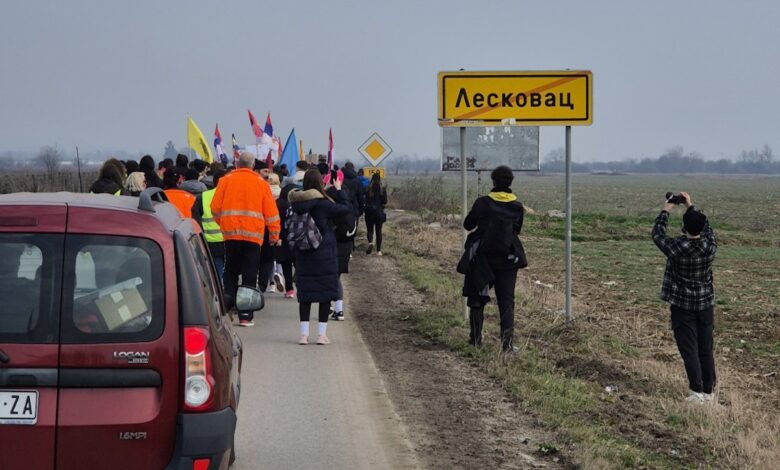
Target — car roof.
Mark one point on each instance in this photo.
(166, 213)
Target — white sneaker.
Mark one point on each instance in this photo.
(708, 396)
(695, 397)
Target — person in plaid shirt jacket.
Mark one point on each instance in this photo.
(687, 286)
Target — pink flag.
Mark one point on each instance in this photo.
(269, 161)
(330, 150)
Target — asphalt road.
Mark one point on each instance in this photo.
(313, 406)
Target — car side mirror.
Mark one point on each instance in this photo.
(249, 299)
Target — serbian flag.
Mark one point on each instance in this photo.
(269, 128)
(218, 146)
(255, 126)
(330, 150)
(236, 150)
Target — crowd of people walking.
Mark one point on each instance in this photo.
(290, 231)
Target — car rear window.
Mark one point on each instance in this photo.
(114, 290)
(30, 285)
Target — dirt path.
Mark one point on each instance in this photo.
(454, 414)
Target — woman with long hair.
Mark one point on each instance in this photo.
(376, 199)
(111, 179)
(317, 270)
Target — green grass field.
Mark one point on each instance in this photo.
(620, 335)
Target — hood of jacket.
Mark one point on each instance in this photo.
(500, 196)
(304, 201)
(193, 186)
(349, 174)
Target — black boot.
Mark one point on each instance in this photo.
(476, 318)
(506, 341)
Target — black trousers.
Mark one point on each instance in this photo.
(372, 226)
(504, 285)
(241, 259)
(693, 333)
(304, 311)
(287, 270)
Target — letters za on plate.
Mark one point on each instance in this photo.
(18, 407)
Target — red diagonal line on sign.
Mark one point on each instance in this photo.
(545, 87)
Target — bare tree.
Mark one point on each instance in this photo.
(49, 158)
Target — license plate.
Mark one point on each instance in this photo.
(18, 406)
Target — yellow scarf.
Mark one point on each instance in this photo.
(502, 197)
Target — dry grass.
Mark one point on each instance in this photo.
(628, 347)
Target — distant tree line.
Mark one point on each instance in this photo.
(674, 160)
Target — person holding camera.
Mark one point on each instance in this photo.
(687, 286)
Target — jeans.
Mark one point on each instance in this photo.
(693, 334)
(241, 259)
(287, 271)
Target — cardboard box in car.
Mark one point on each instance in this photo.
(120, 307)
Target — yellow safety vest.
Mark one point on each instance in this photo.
(210, 227)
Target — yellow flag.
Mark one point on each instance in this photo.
(197, 142)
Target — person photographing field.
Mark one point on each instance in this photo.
(687, 286)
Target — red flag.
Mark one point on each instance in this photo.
(269, 161)
(330, 150)
(255, 126)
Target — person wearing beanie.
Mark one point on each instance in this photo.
(687, 287)
(493, 256)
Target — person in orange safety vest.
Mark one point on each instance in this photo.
(244, 208)
(183, 200)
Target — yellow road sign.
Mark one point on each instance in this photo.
(556, 98)
(375, 149)
(369, 171)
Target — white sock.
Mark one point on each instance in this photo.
(322, 328)
(304, 328)
(339, 305)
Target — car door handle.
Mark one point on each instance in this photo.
(28, 377)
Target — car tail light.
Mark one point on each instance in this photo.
(201, 464)
(198, 382)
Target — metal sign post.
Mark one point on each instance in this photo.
(465, 194)
(567, 208)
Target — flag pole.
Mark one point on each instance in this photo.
(78, 165)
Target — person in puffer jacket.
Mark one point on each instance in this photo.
(317, 270)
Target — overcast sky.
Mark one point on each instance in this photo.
(124, 74)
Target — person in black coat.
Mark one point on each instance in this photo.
(147, 166)
(282, 253)
(376, 199)
(345, 229)
(353, 188)
(317, 270)
(495, 254)
(111, 179)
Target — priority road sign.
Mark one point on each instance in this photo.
(375, 149)
(556, 98)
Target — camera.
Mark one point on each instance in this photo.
(672, 198)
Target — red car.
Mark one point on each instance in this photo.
(116, 348)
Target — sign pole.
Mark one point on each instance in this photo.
(465, 206)
(567, 255)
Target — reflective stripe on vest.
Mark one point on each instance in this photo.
(210, 228)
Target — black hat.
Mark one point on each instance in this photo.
(694, 221)
(502, 176)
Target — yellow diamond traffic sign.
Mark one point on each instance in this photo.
(375, 149)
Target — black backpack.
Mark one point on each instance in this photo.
(499, 237)
(346, 227)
